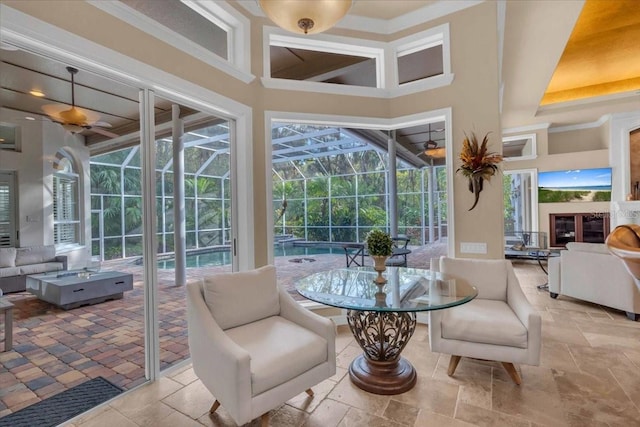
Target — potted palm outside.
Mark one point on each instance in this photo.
(380, 247)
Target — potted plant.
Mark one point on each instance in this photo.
(478, 163)
(380, 247)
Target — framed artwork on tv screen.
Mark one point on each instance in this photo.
(575, 185)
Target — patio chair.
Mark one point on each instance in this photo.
(354, 253)
(398, 260)
(252, 345)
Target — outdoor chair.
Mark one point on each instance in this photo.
(254, 347)
(499, 324)
(354, 253)
(399, 260)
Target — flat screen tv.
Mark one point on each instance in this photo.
(575, 185)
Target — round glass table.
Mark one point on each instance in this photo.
(382, 318)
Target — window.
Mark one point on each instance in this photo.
(66, 222)
(9, 137)
(8, 232)
(521, 147)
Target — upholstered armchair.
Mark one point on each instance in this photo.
(499, 324)
(252, 345)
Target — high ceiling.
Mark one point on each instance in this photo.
(535, 61)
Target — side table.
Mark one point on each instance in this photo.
(7, 308)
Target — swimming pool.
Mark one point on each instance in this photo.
(223, 257)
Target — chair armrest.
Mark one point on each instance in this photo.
(63, 260)
(221, 364)
(527, 314)
(294, 312)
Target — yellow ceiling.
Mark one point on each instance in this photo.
(602, 56)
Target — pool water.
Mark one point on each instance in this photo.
(214, 258)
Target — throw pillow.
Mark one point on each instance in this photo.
(7, 257)
(238, 298)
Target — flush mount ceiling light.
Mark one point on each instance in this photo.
(305, 16)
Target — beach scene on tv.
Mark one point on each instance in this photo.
(575, 185)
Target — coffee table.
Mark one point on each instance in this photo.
(72, 289)
(383, 318)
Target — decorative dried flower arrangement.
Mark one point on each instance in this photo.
(478, 164)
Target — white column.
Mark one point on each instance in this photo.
(149, 227)
(179, 224)
(430, 189)
(393, 184)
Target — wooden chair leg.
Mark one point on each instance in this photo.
(309, 392)
(453, 364)
(264, 420)
(511, 370)
(215, 406)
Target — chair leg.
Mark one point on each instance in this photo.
(453, 364)
(309, 392)
(215, 406)
(511, 370)
(264, 420)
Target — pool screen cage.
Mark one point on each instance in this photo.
(329, 185)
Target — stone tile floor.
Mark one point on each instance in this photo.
(589, 376)
(56, 349)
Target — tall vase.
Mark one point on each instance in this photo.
(379, 266)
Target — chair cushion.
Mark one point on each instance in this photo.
(484, 321)
(488, 275)
(239, 298)
(35, 254)
(7, 257)
(9, 271)
(40, 268)
(280, 350)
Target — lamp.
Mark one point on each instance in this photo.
(305, 16)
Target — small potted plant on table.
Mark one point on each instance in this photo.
(380, 247)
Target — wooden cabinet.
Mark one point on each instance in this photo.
(577, 227)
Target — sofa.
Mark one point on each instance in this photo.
(589, 272)
(17, 263)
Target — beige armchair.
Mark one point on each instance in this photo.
(499, 324)
(252, 345)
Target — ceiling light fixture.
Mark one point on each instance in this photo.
(432, 150)
(38, 93)
(305, 16)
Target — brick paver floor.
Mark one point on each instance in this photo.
(56, 349)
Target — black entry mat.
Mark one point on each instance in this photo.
(63, 406)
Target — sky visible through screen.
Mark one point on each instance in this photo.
(575, 178)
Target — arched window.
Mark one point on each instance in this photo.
(66, 217)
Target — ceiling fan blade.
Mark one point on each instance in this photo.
(101, 124)
(102, 131)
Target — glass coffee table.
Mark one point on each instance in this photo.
(383, 318)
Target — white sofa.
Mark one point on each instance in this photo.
(588, 271)
(17, 263)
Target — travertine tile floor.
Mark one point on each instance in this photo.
(589, 376)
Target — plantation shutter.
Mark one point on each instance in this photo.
(65, 208)
(7, 211)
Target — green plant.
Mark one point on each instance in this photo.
(379, 243)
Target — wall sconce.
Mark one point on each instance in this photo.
(305, 17)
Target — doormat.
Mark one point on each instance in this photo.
(63, 406)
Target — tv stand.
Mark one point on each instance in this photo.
(578, 227)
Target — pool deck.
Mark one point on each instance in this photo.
(56, 349)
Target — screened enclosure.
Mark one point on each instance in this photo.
(329, 185)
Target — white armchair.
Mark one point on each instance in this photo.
(499, 324)
(252, 345)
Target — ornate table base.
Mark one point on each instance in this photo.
(382, 335)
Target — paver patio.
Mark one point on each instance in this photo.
(56, 349)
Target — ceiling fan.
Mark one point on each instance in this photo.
(76, 119)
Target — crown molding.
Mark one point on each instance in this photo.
(602, 120)
(528, 128)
